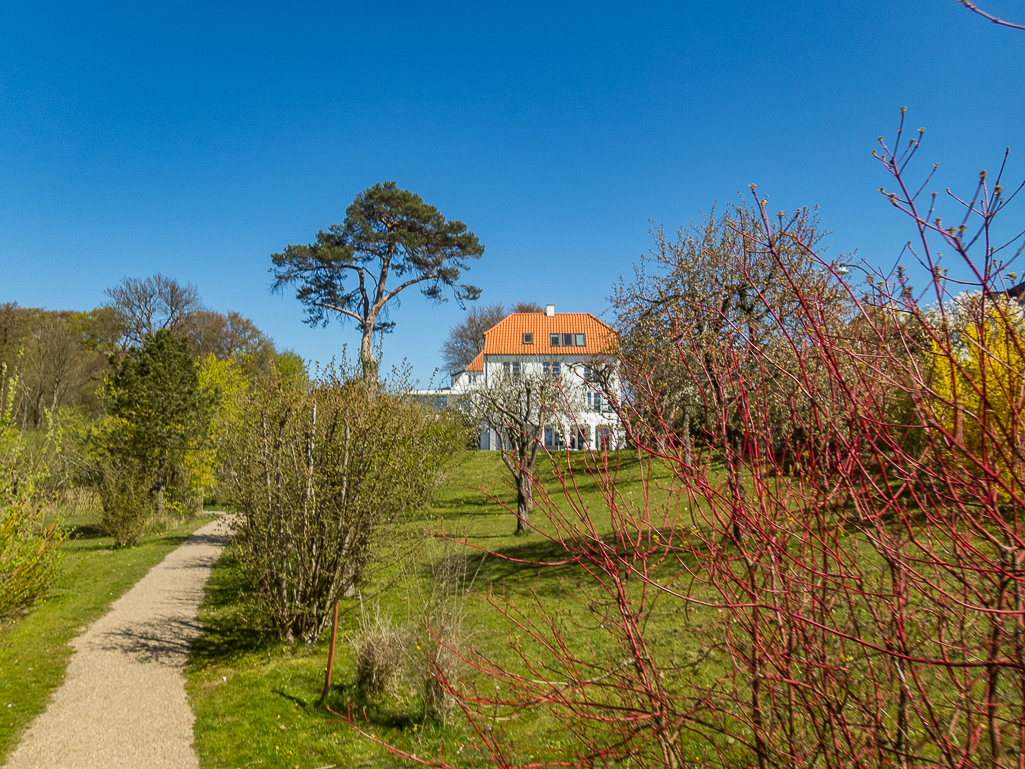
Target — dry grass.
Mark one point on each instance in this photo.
(380, 653)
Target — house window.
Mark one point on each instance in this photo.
(587, 373)
(528, 337)
(551, 368)
(511, 368)
(568, 340)
(595, 401)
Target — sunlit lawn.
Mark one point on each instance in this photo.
(34, 648)
(256, 700)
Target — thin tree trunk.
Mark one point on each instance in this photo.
(524, 501)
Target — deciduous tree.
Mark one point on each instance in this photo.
(466, 338)
(147, 305)
(726, 288)
(230, 336)
(518, 407)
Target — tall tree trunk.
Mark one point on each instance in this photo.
(367, 362)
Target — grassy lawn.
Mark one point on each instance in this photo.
(34, 648)
(256, 699)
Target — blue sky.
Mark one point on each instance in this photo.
(197, 138)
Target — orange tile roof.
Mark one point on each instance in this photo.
(506, 337)
(477, 364)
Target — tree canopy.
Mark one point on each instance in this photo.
(158, 408)
(390, 240)
(146, 305)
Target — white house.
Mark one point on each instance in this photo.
(570, 348)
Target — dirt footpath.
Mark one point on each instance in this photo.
(123, 703)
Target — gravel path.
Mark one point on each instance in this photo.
(123, 703)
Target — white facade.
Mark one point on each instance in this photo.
(584, 419)
(561, 350)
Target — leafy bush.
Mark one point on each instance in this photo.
(29, 551)
(125, 493)
(315, 471)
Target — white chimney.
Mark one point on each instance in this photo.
(550, 310)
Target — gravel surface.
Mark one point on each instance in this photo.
(123, 703)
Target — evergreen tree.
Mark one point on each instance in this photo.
(389, 236)
(158, 409)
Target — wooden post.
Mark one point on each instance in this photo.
(330, 657)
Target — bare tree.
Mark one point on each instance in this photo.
(54, 366)
(466, 339)
(719, 291)
(229, 336)
(518, 408)
(146, 305)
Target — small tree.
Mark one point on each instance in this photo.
(388, 235)
(158, 412)
(518, 407)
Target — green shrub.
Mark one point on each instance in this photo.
(125, 493)
(317, 471)
(29, 550)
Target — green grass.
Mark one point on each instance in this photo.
(34, 648)
(245, 686)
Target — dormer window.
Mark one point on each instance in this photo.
(528, 337)
(568, 340)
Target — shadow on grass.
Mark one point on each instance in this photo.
(86, 531)
(229, 630)
(382, 711)
(544, 566)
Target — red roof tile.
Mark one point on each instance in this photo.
(506, 337)
(477, 364)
